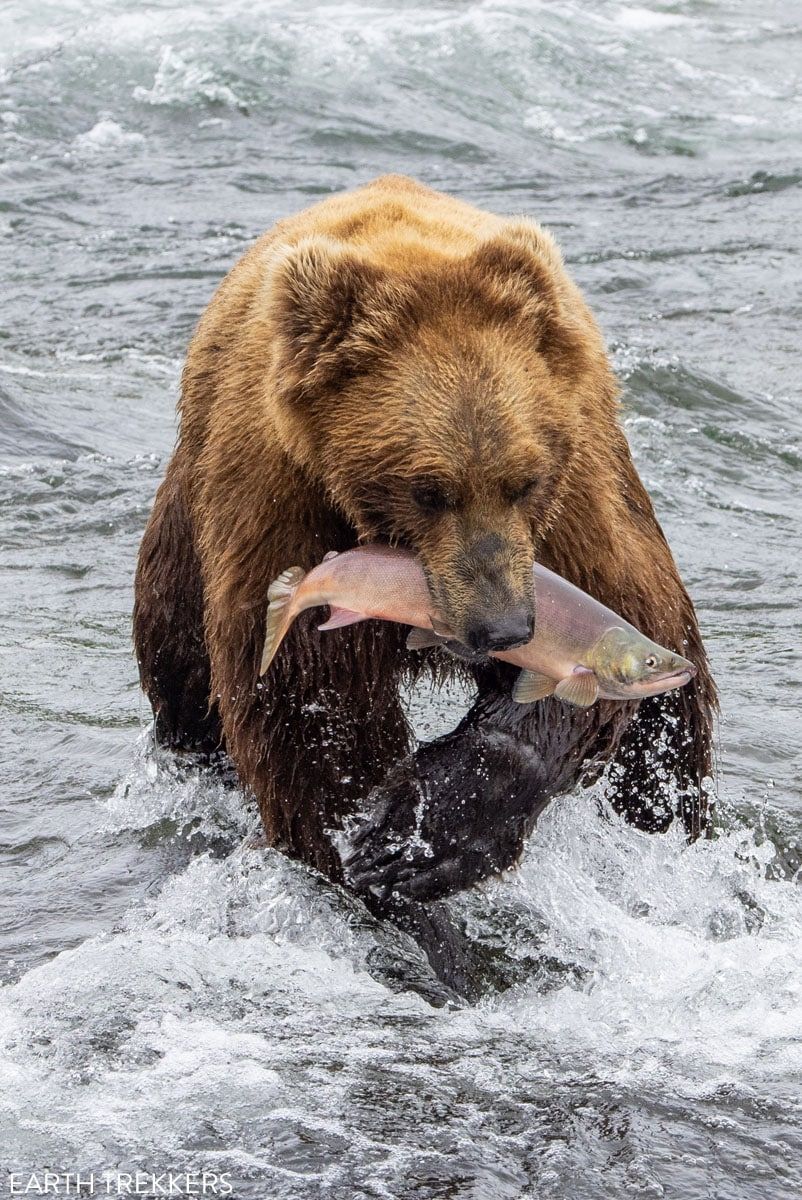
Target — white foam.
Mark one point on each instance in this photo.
(106, 135)
(542, 120)
(686, 950)
(183, 82)
(638, 18)
(160, 791)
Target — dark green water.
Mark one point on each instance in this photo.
(165, 1008)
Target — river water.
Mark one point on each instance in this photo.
(173, 1000)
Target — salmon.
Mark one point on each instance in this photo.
(581, 651)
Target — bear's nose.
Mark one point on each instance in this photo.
(514, 628)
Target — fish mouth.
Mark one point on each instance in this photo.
(680, 677)
(688, 671)
(666, 683)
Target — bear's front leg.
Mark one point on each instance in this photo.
(460, 808)
(448, 816)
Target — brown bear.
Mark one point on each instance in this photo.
(395, 364)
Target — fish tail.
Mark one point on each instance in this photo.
(279, 612)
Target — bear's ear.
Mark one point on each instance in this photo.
(332, 313)
(518, 270)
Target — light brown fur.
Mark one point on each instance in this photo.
(381, 347)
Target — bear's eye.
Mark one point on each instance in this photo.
(432, 497)
(520, 491)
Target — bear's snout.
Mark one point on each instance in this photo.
(505, 632)
(481, 581)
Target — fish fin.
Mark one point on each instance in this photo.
(531, 686)
(441, 629)
(338, 617)
(285, 584)
(580, 688)
(421, 639)
(330, 554)
(279, 618)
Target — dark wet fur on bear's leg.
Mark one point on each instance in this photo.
(459, 809)
(456, 962)
(449, 816)
(174, 666)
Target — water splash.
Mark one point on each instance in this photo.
(671, 969)
(179, 82)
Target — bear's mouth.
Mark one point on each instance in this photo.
(460, 650)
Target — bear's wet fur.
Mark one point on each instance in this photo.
(393, 363)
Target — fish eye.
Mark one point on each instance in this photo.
(432, 497)
(650, 662)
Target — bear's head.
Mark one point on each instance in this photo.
(441, 401)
